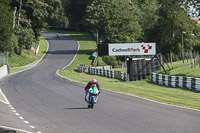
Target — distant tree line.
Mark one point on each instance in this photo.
(160, 21)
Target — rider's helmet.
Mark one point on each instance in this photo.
(93, 81)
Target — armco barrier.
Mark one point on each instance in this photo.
(176, 81)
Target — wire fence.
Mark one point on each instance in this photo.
(3, 59)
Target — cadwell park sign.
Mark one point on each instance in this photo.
(137, 68)
(115, 49)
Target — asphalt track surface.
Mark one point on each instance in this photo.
(56, 105)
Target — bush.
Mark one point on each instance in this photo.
(25, 38)
(110, 60)
(14, 43)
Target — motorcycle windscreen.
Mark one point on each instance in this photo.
(94, 90)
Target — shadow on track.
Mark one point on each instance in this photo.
(77, 108)
(2, 130)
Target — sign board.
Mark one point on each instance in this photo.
(115, 49)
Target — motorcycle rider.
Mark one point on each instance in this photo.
(90, 84)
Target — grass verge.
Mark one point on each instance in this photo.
(1, 97)
(16, 61)
(182, 69)
(145, 88)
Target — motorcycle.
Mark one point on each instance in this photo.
(92, 96)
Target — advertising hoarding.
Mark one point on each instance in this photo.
(115, 49)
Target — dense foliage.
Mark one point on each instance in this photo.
(114, 20)
(56, 15)
(5, 26)
(163, 22)
(22, 22)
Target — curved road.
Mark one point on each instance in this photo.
(55, 105)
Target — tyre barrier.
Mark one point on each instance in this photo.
(140, 68)
(82, 68)
(108, 73)
(176, 81)
(100, 71)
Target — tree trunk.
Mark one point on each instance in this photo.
(14, 17)
(20, 7)
(199, 60)
(194, 54)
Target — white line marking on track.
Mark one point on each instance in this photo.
(26, 122)
(21, 118)
(32, 126)
(17, 114)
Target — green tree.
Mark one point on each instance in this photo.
(76, 11)
(173, 20)
(36, 12)
(25, 38)
(5, 26)
(110, 60)
(114, 19)
(149, 15)
(56, 15)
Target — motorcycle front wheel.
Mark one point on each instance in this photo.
(92, 102)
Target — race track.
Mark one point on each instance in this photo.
(56, 105)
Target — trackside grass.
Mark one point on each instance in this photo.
(182, 69)
(145, 88)
(16, 61)
(1, 97)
